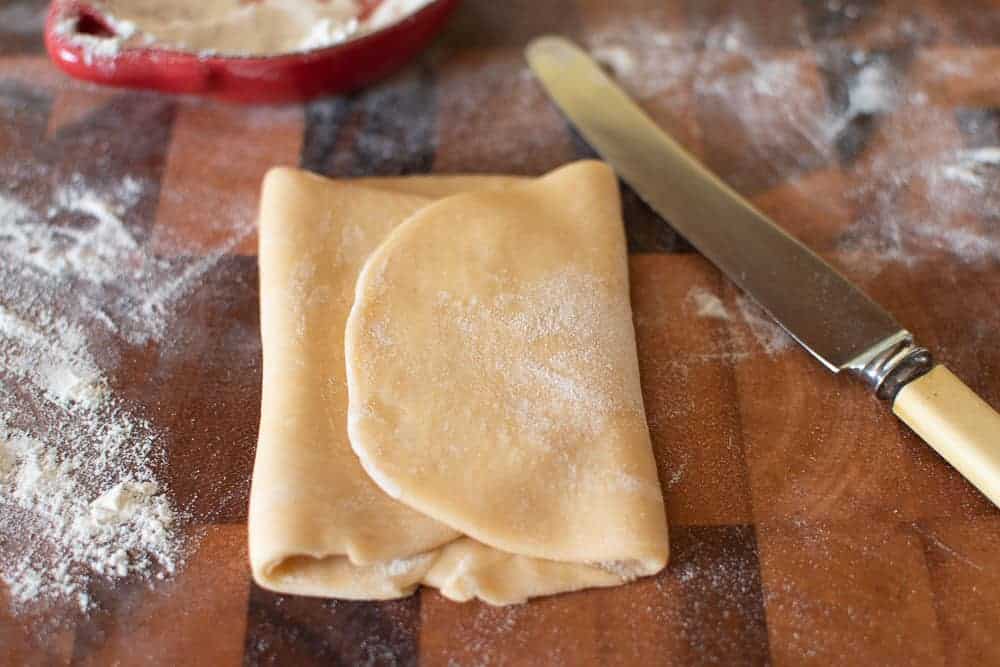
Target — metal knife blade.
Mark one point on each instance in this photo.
(816, 305)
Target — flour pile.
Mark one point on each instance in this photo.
(65, 532)
(79, 497)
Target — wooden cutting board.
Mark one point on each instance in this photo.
(807, 524)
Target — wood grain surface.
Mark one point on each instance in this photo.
(808, 525)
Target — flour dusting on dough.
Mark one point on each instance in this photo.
(550, 391)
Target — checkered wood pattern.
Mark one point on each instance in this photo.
(808, 526)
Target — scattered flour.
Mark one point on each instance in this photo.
(976, 168)
(676, 476)
(647, 59)
(47, 493)
(79, 497)
(768, 334)
(943, 203)
(99, 256)
(12, 211)
(765, 335)
(707, 304)
(872, 90)
(775, 104)
(62, 370)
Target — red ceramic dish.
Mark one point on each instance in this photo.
(272, 79)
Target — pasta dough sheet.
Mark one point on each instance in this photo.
(498, 447)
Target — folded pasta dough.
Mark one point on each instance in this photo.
(558, 488)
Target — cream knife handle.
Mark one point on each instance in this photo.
(953, 420)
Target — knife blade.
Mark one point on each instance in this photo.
(827, 315)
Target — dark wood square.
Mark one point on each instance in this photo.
(286, 629)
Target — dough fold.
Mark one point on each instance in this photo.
(498, 447)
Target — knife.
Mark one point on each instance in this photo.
(827, 315)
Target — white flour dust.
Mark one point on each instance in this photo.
(708, 304)
(910, 203)
(771, 337)
(972, 167)
(871, 90)
(751, 330)
(646, 58)
(575, 389)
(65, 532)
(79, 494)
(554, 356)
(60, 368)
(113, 275)
(78, 497)
(944, 204)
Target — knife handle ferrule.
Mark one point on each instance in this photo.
(892, 365)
